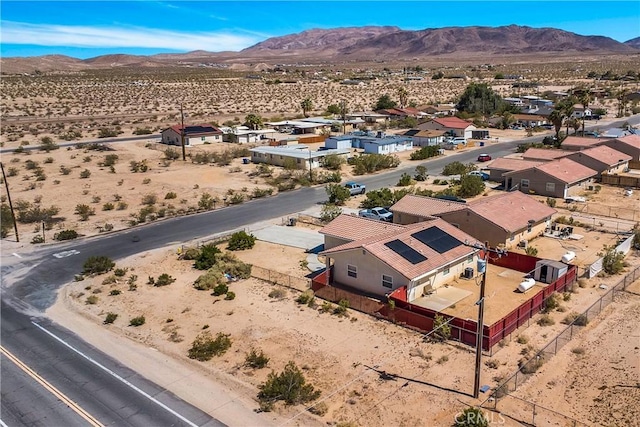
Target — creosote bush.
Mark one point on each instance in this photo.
(98, 265)
(289, 386)
(204, 347)
(65, 235)
(256, 359)
(240, 241)
(110, 318)
(163, 280)
(137, 321)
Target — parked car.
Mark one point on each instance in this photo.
(484, 157)
(355, 188)
(482, 175)
(377, 213)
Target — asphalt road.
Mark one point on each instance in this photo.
(29, 285)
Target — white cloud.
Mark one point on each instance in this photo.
(112, 37)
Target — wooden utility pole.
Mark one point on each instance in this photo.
(13, 215)
(184, 154)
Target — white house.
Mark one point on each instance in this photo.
(299, 155)
(387, 145)
(244, 135)
(453, 126)
(193, 135)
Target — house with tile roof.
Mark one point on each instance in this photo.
(544, 154)
(629, 144)
(348, 228)
(453, 126)
(412, 208)
(602, 159)
(502, 220)
(502, 165)
(423, 138)
(577, 143)
(558, 178)
(423, 258)
(193, 135)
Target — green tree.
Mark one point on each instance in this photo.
(441, 329)
(479, 98)
(421, 173)
(329, 212)
(6, 220)
(470, 186)
(585, 100)
(556, 118)
(384, 102)
(567, 107)
(306, 105)
(333, 109)
(612, 260)
(338, 194)
(207, 257)
(240, 241)
(84, 211)
(253, 121)
(457, 168)
(97, 265)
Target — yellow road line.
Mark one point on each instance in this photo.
(51, 389)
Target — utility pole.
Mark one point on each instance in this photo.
(480, 303)
(184, 154)
(344, 116)
(13, 215)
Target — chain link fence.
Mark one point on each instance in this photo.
(282, 279)
(529, 413)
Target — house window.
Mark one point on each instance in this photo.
(298, 161)
(512, 238)
(551, 187)
(387, 281)
(524, 183)
(352, 271)
(445, 271)
(469, 259)
(203, 138)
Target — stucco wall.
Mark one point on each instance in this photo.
(440, 278)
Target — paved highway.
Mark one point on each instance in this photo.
(30, 282)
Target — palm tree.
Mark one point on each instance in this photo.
(567, 106)
(585, 100)
(556, 117)
(306, 106)
(403, 95)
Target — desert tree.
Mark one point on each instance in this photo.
(384, 102)
(403, 96)
(306, 105)
(253, 121)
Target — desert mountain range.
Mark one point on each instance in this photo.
(352, 44)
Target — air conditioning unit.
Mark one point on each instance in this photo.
(468, 273)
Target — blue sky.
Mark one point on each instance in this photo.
(85, 29)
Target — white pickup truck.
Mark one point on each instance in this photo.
(355, 188)
(377, 213)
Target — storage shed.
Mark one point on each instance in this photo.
(548, 271)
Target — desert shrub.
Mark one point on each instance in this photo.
(329, 212)
(522, 339)
(305, 297)
(230, 264)
(333, 162)
(206, 202)
(110, 318)
(369, 163)
(240, 241)
(613, 260)
(230, 296)
(170, 195)
(338, 194)
(171, 154)
(164, 279)
(289, 386)
(531, 366)
(122, 206)
(146, 181)
(577, 350)
(142, 131)
(320, 409)
(545, 320)
(149, 199)
(108, 206)
(470, 186)
(531, 251)
(137, 321)
(85, 174)
(277, 293)
(209, 280)
(27, 213)
(441, 328)
(258, 193)
(109, 160)
(31, 165)
(97, 265)
(492, 363)
(37, 239)
(48, 160)
(236, 198)
(65, 235)
(84, 211)
(426, 152)
(256, 359)
(220, 289)
(575, 318)
(551, 202)
(91, 299)
(120, 272)
(207, 257)
(405, 180)
(204, 347)
(341, 309)
(551, 303)
(140, 166)
(47, 144)
(115, 292)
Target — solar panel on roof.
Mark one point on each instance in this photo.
(406, 251)
(437, 239)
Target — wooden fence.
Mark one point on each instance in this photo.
(621, 181)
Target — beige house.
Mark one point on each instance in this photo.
(502, 220)
(193, 135)
(423, 258)
(558, 178)
(348, 228)
(602, 159)
(453, 126)
(502, 165)
(629, 144)
(577, 143)
(411, 208)
(299, 155)
(544, 154)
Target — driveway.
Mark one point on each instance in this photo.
(290, 236)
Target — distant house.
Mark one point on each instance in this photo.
(558, 178)
(453, 126)
(299, 155)
(530, 120)
(244, 135)
(423, 258)
(423, 138)
(629, 145)
(387, 144)
(502, 220)
(402, 113)
(502, 165)
(577, 143)
(579, 112)
(602, 159)
(193, 135)
(516, 102)
(299, 127)
(439, 110)
(368, 117)
(544, 154)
